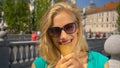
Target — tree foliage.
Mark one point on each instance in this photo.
(1, 3)
(16, 15)
(40, 8)
(118, 20)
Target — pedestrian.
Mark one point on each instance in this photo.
(62, 44)
(98, 35)
(34, 36)
(104, 35)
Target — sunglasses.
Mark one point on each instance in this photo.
(68, 28)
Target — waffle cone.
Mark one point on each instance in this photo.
(66, 49)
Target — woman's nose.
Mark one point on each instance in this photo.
(63, 35)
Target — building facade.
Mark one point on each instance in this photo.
(102, 19)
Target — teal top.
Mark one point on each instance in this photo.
(95, 60)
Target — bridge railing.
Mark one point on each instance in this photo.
(17, 54)
(21, 53)
(19, 37)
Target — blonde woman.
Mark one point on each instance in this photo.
(61, 26)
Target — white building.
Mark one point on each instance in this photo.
(102, 19)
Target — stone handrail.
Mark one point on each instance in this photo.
(17, 54)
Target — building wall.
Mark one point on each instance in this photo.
(104, 21)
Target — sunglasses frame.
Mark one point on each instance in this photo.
(59, 29)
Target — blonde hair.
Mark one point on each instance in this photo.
(47, 48)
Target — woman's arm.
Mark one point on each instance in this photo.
(106, 65)
(33, 66)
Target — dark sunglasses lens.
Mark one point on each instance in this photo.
(54, 31)
(70, 28)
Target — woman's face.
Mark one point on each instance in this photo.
(69, 30)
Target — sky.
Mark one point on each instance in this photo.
(98, 3)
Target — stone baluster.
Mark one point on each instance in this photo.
(29, 52)
(38, 54)
(11, 56)
(34, 52)
(24, 53)
(18, 54)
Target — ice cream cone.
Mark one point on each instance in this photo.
(66, 49)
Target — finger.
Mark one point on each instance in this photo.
(71, 66)
(73, 57)
(65, 64)
(69, 56)
(68, 63)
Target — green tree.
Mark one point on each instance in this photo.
(22, 13)
(9, 12)
(118, 20)
(1, 3)
(40, 8)
(16, 15)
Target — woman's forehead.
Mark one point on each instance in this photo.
(63, 18)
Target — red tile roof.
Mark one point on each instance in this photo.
(108, 6)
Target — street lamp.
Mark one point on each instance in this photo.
(83, 21)
(3, 26)
(31, 7)
(52, 2)
(2, 21)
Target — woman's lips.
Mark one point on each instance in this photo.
(64, 42)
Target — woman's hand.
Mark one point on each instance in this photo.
(69, 61)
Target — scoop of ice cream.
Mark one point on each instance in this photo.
(66, 49)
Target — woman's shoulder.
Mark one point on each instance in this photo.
(97, 58)
(93, 52)
(40, 62)
(96, 54)
(39, 59)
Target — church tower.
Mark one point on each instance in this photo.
(91, 5)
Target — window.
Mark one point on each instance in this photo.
(113, 18)
(107, 19)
